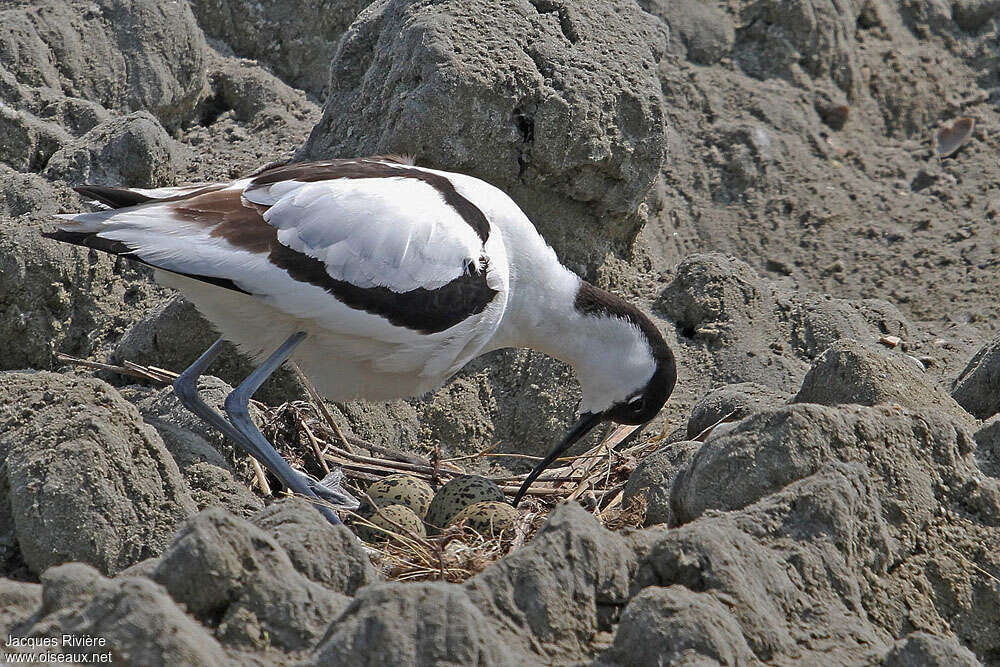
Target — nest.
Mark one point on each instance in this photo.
(305, 433)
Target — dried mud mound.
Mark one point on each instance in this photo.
(763, 176)
(84, 477)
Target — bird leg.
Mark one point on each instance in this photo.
(240, 429)
(237, 407)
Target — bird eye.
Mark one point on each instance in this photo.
(635, 403)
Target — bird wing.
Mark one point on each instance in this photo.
(374, 224)
(370, 249)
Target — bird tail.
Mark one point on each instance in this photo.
(83, 228)
(141, 225)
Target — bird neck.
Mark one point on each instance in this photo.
(553, 311)
(540, 313)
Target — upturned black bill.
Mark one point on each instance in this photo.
(583, 426)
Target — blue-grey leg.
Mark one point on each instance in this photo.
(237, 408)
(186, 389)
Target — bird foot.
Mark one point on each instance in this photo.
(331, 489)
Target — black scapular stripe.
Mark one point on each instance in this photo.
(423, 310)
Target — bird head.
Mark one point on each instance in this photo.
(626, 371)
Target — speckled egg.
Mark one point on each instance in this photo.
(488, 518)
(405, 490)
(386, 517)
(458, 494)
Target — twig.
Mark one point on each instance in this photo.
(533, 491)
(265, 487)
(314, 395)
(420, 540)
(315, 446)
(163, 371)
(396, 465)
(489, 455)
(968, 560)
(137, 372)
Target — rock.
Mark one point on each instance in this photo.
(815, 37)
(915, 452)
(173, 334)
(988, 447)
(867, 499)
(533, 402)
(920, 648)
(143, 568)
(779, 588)
(56, 297)
(971, 15)
(905, 473)
(27, 143)
(71, 584)
(30, 194)
(458, 494)
(127, 55)
(413, 624)
(190, 439)
(722, 308)
(653, 478)
(732, 402)
(519, 398)
(392, 424)
(328, 555)
(743, 328)
(817, 322)
(296, 40)
(75, 115)
(257, 99)
(231, 573)
(213, 486)
(87, 479)
(134, 151)
(715, 299)
(556, 103)
(460, 415)
(563, 588)
(11, 561)
(850, 372)
(702, 33)
(670, 626)
(924, 179)
(977, 388)
(135, 617)
(18, 601)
